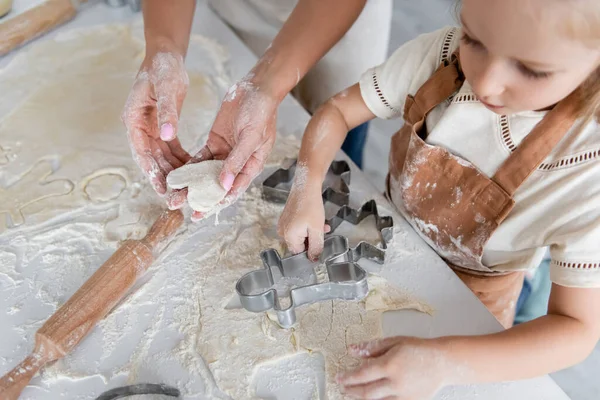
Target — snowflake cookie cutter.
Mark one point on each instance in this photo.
(336, 187)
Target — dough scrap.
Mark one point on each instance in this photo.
(202, 180)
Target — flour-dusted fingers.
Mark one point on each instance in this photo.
(244, 179)
(176, 199)
(204, 154)
(150, 167)
(371, 370)
(170, 81)
(315, 243)
(178, 151)
(371, 391)
(151, 116)
(160, 158)
(253, 140)
(240, 185)
(152, 170)
(144, 158)
(295, 240)
(197, 216)
(373, 348)
(301, 223)
(173, 161)
(236, 161)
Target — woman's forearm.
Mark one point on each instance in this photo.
(311, 30)
(167, 25)
(535, 348)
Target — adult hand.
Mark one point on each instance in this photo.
(242, 135)
(399, 368)
(151, 116)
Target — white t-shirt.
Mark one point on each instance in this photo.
(558, 206)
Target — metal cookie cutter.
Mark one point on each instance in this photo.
(347, 280)
(139, 389)
(336, 187)
(385, 226)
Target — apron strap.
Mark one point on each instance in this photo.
(537, 145)
(445, 81)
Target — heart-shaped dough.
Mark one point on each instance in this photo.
(202, 180)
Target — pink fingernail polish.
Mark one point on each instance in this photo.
(167, 132)
(195, 217)
(228, 181)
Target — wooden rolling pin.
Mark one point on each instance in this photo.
(35, 22)
(98, 295)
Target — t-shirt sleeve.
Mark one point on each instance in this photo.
(384, 88)
(575, 252)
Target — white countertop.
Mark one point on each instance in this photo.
(457, 311)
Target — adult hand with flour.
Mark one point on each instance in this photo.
(242, 136)
(152, 109)
(151, 114)
(244, 130)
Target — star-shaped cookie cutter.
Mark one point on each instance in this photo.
(347, 280)
(336, 187)
(384, 224)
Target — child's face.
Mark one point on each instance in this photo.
(515, 56)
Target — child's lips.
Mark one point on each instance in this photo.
(491, 106)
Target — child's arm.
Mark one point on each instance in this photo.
(564, 337)
(303, 216)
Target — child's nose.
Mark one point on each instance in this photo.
(491, 81)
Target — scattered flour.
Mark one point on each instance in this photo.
(174, 327)
(296, 377)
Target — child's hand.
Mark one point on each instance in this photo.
(303, 219)
(402, 368)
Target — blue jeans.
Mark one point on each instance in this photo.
(354, 144)
(533, 301)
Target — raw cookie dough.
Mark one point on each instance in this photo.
(202, 180)
(5, 6)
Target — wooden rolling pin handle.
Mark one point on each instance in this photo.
(98, 295)
(164, 227)
(13, 383)
(35, 22)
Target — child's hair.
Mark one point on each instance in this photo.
(584, 25)
(590, 97)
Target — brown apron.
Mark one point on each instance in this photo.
(455, 207)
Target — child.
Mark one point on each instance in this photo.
(498, 159)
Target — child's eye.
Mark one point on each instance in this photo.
(468, 40)
(528, 72)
